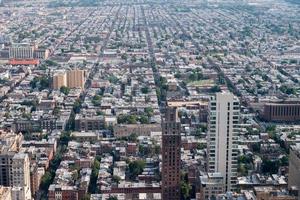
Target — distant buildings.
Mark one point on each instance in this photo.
(27, 51)
(286, 111)
(223, 120)
(271, 193)
(124, 130)
(21, 51)
(26, 54)
(171, 162)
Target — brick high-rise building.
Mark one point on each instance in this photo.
(171, 162)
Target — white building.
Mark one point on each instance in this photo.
(224, 110)
(20, 177)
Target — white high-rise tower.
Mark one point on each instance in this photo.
(224, 111)
(20, 177)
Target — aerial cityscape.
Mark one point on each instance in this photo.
(149, 99)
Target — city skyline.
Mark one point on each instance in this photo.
(149, 100)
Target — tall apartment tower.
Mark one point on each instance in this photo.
(171, 162)
(14, 166)
(223, 120)
(20, 177)
(10, 144)
(76, 78)
(59, 80)
(294, 169)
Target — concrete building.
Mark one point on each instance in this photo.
(62, 192)
(124, 130)
(171, 162)
(41, 54)
(211, 185)
(20, 177)
(21, 51)
(294, 168)
(76, 78)
(5, 193)
(10, 143)
(14, 166)
(59, 80)
(222, 137)
(20, 170)
(20, 193)
(271, 193)
(88, 122)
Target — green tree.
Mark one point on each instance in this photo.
(270, 166)
(45, 82)
(185, 189)
(145, 90)
(65, 90)
(157, 149)
(127, 119)
(132, 137)
(124, 56)
(177, 75)
(144, 150)
(86, 197)
(113, 79)
(144, 119)
(271, 128)
(287, 90)
(112, 198)
(51, 63)
(148, 111)
(77, 106)
(135, 168)
(65, 138)
(116, 179)
(56, 111)
(40, 83)
(215, 89)
(95, 170)
(46, 181)
(284, 161)
(201, 146)
(97, 100)
(256, 147)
